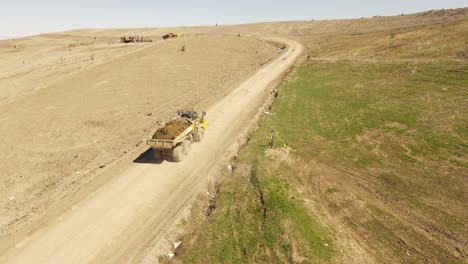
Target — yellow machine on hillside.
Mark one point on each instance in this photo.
(175, 138)
(171, 35)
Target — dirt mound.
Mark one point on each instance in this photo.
(172, 129)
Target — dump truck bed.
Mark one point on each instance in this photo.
(160, 143)
(157, 143)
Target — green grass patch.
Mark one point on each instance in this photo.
(356, 108)
(260, 220)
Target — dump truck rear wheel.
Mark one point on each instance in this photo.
(187, 146)
(178, 153)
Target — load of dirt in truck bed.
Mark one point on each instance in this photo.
(172, 129)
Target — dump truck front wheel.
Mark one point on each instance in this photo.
(187, 146)
(200, 135)
(178, 153)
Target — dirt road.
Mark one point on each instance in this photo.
(121, 219)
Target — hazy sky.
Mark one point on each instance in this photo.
(28, 17)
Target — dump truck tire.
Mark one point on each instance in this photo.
(199, 136)
(187, 146)
(178, 153)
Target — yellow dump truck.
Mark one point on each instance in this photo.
(171, 35)
(173, 141)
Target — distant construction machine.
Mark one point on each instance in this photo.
(134, 39)
(174, 140)
(171, 35)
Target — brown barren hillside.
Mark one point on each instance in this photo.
(298, 28)
(62, 120)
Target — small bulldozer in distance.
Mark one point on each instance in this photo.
(171, 35)
(173, 141)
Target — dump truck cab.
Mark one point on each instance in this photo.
(193, 116)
